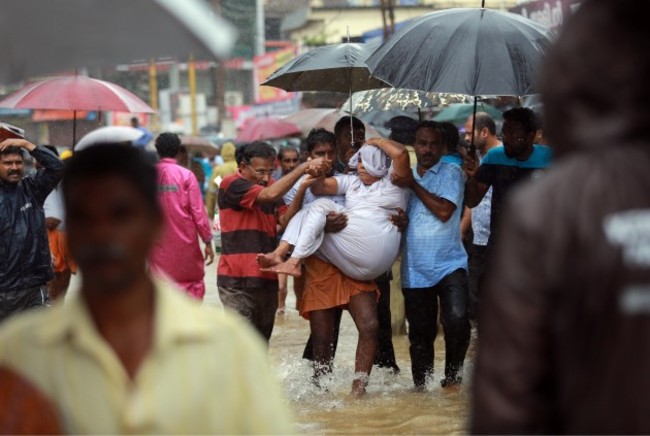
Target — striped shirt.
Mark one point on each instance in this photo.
(246, 230)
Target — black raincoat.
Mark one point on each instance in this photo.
(25, 260)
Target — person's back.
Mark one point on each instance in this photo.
(566, 319)
(177, 253)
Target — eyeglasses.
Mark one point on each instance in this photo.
(260, 173)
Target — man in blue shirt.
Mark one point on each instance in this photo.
(434, 263)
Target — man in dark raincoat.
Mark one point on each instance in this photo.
(25, 261)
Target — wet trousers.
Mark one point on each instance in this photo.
(22, 299)
(258, 305)
(421, 307)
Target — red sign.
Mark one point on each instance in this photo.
(265, 65)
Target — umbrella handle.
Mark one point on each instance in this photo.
(472, 147)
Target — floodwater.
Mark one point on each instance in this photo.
(391, 406)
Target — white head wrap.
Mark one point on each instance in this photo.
(374, 160)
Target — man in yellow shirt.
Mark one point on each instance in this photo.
(127, 353)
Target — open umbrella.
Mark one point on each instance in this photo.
(385, 99)
(334, 68)
(44, 37)
(326, 118)
(75, 93)
(457, 113)
(464, 51)
(197, 143)
(265, 128)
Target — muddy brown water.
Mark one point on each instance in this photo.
(391, 406)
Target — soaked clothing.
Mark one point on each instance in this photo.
(503, 173)
(25, 261)
(565, 319)
(177, 254)
(246, 230)
(421, 306)
(326, 287)
(369, 244)
(17, 300)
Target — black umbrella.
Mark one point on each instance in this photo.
(334, 68)
(473, 51)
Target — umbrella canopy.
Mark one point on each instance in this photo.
(335, 68)
(113, 134)
(386, 99)
(458, 113)
(44, 37)
(326, 118)
(265, 128)
(75, 93)
(197, 143)
(464, 51)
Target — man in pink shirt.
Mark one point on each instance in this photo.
(177, 253)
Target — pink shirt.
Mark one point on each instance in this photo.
(177, 254)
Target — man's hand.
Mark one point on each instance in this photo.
(52, 223)
(402, 181)
(16, 142)
(470, 163)
(400, 219)
(208, 254)
(335, 222)
(318, 167)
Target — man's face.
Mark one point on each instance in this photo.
(348, 146)
(428, 147)
(11, 168)
(289, 161)
(258, 171)
(480, 137)
(111, 230)
(517, 142)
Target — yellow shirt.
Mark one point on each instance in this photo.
(207, 371)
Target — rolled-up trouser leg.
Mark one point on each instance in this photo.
(454, 300)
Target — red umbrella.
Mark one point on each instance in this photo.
(75, 93)
(263, 128)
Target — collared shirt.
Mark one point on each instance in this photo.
(433, 249)
(481, 217)
(206, 373)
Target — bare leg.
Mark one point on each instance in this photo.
(322, 324)
(363, 308)
(290, 267)
(282, 293)
(275, 257)
(298, 288)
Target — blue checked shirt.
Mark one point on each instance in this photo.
(433, 248)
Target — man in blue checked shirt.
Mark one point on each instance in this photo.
(434, 263)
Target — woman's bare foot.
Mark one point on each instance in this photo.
(290, 267)
(268, 260)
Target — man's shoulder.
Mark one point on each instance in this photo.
(27, 328)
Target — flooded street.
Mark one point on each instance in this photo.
(391, 405)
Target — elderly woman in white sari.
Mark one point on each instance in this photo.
(369, 244)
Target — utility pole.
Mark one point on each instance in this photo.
(388, 17)
(220, 77)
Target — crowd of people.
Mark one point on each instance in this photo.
(548, 261)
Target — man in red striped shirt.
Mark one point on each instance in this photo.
(250, 202)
